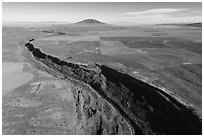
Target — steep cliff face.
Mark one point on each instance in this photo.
(149, 110)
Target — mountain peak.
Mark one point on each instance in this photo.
(90, 21)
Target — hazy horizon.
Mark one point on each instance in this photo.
(110, 12)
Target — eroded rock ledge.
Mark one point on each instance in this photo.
(149, 110)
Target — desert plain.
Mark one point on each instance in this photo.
(97, 78)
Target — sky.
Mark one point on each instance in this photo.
(116, 13)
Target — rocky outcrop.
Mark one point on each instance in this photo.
(149, 110)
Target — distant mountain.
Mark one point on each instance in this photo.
(89, 21)
(198, 24)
